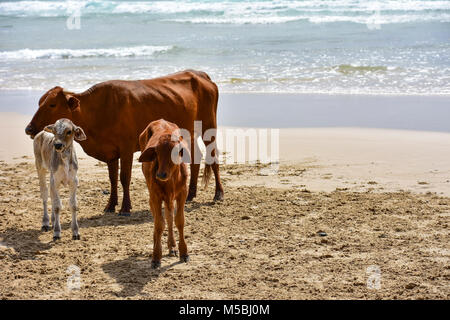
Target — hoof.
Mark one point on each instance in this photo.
(185, 258)
(173, 253)
(76, 237)
(56, 238)
(124, 214)
(45, 228)
(156, 264)
(218, 196)
(190, 197)
(110, 207)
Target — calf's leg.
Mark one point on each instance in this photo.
(168, 212)
(179, 221)
(158, 229)
(126, 164)
(56, 208)
(73, 208)
(113, 170)
(44, 196)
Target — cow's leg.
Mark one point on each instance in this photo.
(212, 146)
(195, 168)
(126, 164)
(44, 195)
(171, 244)
(113, 170)
(56, 208)
(179, 221)
(158, 229)
(219, 189)
(73, 208)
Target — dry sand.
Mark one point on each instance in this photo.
(262, 241)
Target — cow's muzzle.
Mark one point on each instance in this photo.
(30, 131)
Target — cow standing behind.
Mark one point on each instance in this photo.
(163, 152)
(114, 113)
(54, 152)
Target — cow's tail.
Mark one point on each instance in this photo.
(206, 175)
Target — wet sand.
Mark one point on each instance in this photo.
(269, 110)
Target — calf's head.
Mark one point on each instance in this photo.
(168, 150)
(53, 105)
(65, 131)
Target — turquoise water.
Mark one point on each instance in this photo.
(369, 47)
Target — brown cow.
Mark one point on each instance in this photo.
(114, 113)
(166, 177)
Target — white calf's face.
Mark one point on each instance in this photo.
(65, 131)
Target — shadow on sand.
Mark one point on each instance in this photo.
(194, 205)
(24, 242)
(27, 245)
(133, 273)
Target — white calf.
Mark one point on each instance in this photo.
(54, 152)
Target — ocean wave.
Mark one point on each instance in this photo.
(237, 12)
(349, 69)
(236, 20)
(382, 19)
(118, 52)
(375, 19)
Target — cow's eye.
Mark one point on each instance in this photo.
(52, 105)
(69, 133)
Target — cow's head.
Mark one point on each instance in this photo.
(167, 148)
(53, 105)
(65, 132)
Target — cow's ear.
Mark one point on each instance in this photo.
(79, 134)
(50, 128)
(148, 155)
(72, 102)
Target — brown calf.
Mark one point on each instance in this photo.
(163, 151)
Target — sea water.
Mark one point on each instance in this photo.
(348, 46)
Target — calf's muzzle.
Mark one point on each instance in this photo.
(58, 146)
(162, 175)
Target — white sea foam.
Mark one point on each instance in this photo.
(236, 12)
(370, 19)
(119, 52)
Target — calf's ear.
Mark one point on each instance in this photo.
(184, 152)
(148, 155)
(50, 128)
(144, 137)
(79, 134)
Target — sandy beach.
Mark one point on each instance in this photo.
(381, 196)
